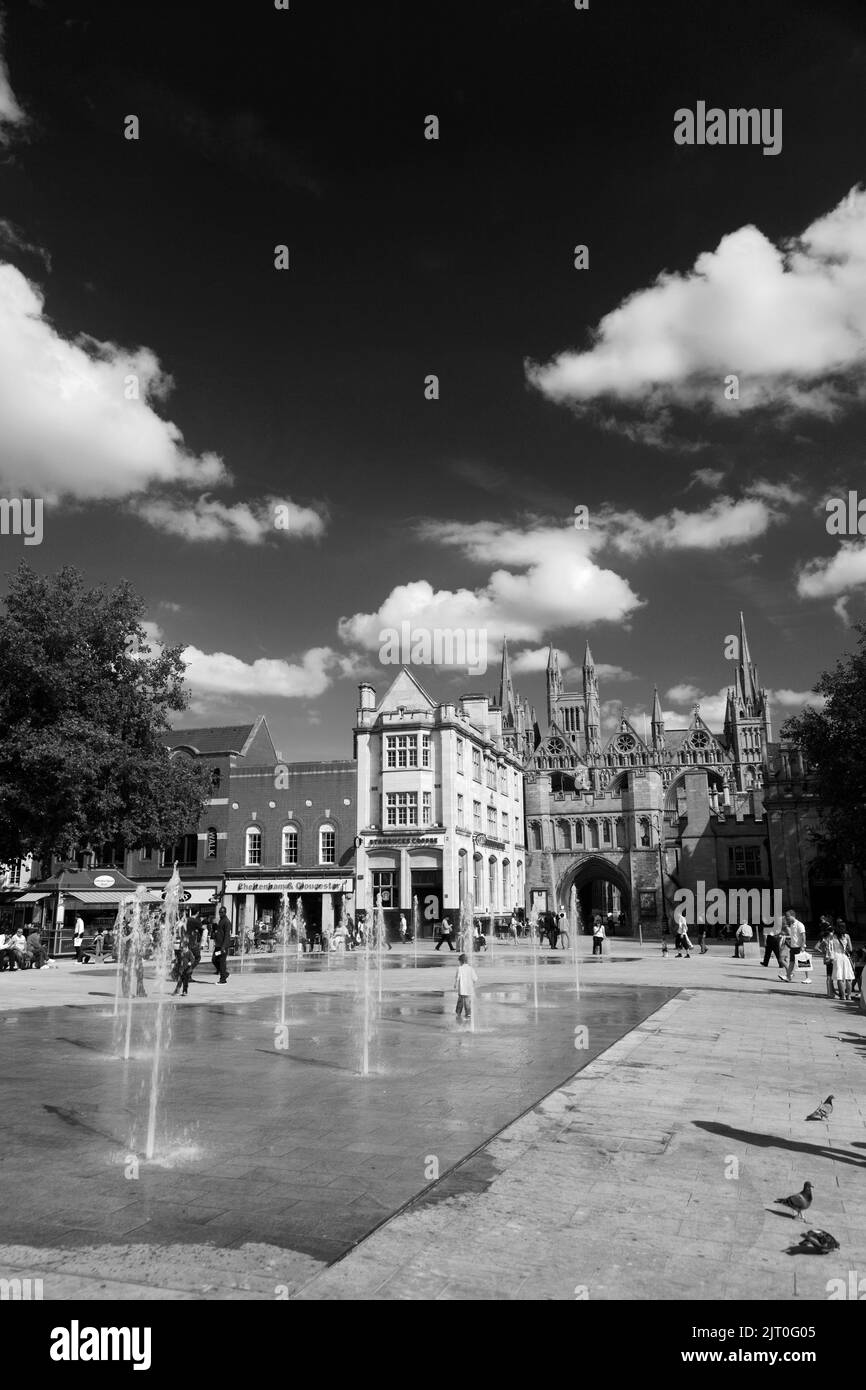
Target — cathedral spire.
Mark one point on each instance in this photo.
(507, 702)
(658, 722)
(554, 683)
(747, 674)
(592, 713)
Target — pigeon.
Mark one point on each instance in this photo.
(822, 1241)
(798, 1201)
(822, 1111)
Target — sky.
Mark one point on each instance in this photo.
(260, 449)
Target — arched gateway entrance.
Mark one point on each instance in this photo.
(600, 887)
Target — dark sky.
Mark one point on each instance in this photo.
(410, 256)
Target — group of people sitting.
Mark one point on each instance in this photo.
(20, 952)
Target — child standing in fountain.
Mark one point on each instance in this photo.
(464, 982)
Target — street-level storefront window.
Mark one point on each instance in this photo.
(385, 882)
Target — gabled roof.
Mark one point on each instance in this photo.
(219, 738)
(407, 692)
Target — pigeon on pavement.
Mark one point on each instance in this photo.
(819, 1240)
(798, 1201)
(823, 1110)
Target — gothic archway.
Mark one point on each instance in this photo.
(600, 887)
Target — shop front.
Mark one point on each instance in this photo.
(405, 873)
(93, 895)
(254, 904)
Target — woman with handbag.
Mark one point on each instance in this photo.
(843, 970)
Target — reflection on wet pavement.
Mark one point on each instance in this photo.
(288, 1146)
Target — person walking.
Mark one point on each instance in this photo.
(843, 970)
(795, 935)
(404, 929)
(562, 927)
(702, 935)
(826, 949)
(597, 936)
(772, 939)
(445, 935)
(552, 930)
(220, 957)
(78, 937)
(464, 982)
(681, 934)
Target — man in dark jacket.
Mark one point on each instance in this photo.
(220, 957)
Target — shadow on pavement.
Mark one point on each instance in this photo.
(773, 1141)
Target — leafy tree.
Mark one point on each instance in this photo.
(833, 740)
(83, 702)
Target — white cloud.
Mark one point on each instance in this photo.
(544, 578)
(835, 576)
(218, 673)
(13, 237)
(11, 112)
(683, 694)
(206, 519)
(796, 699)
(66, 427)
(726, 521)
(216, 676)
(612, 673)
(534, 659)
(788, 320)
(706, 477)
(712, 706)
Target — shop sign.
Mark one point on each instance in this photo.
(289, 885)
(104, 881)
(385, 840)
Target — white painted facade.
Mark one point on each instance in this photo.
(430, 824)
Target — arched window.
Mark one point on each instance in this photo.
(563, 834)
(216, 778)
(491, 879)
(211, 850)
(461, 876)
(478, 879)
(506, 885)
(290, 844)
(327, 844)
(620, 833)
(578, 832)
(592, 831)
(536, 835)
(253, 846)
(645, 834)
(606, 832)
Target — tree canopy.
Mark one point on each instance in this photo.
(833, 740)
(83, 702)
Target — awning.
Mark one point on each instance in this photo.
(86, 897)
(32, 897)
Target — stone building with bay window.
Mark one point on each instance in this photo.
(440, 804)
